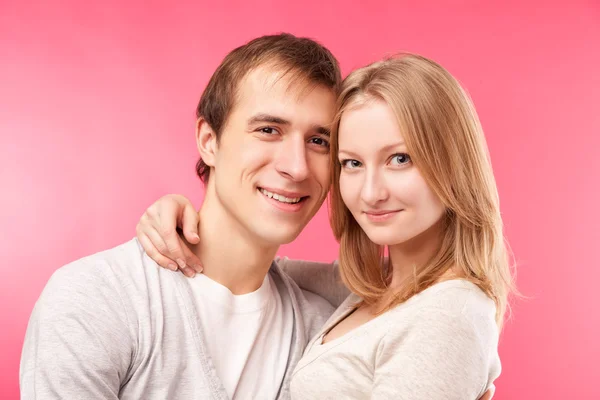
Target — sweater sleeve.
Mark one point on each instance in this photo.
(322, 279)
(445, 355)
(78, 343)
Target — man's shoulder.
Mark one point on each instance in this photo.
(117, 261)
(103, 276)
(84, 326)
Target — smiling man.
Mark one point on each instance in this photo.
(114, 326)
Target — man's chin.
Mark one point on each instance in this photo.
(279, 237)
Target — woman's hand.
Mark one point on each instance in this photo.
(158, 234)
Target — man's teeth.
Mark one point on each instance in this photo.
(280, 197)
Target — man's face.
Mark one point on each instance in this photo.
(271, 170)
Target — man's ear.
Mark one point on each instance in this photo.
(206, 140)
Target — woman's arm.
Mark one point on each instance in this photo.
(444, 356)
(157, 233)
(322, 279)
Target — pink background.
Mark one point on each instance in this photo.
(96, 122)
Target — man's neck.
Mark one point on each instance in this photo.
(229, 255)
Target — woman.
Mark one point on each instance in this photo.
(411, 174)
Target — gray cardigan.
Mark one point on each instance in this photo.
(114, 325)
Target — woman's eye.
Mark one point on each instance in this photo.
(350, 164)
(400, 159)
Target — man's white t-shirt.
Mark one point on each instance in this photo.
(248, 336)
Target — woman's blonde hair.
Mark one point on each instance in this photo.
(446, 143)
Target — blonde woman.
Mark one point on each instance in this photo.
(410, 174)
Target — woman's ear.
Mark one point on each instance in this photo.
(206, 140)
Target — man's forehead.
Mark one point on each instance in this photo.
(288, 84)
(267, 76)
(272, 91)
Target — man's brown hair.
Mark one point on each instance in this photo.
(304, 58)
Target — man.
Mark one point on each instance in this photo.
(114, 326)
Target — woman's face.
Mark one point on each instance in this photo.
(379, 184)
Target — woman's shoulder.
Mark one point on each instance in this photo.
(455, 296)
(452, 305)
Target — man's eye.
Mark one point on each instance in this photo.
(319, 141)
(268, 130)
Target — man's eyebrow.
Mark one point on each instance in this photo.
(272, 119)
(322, 130)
